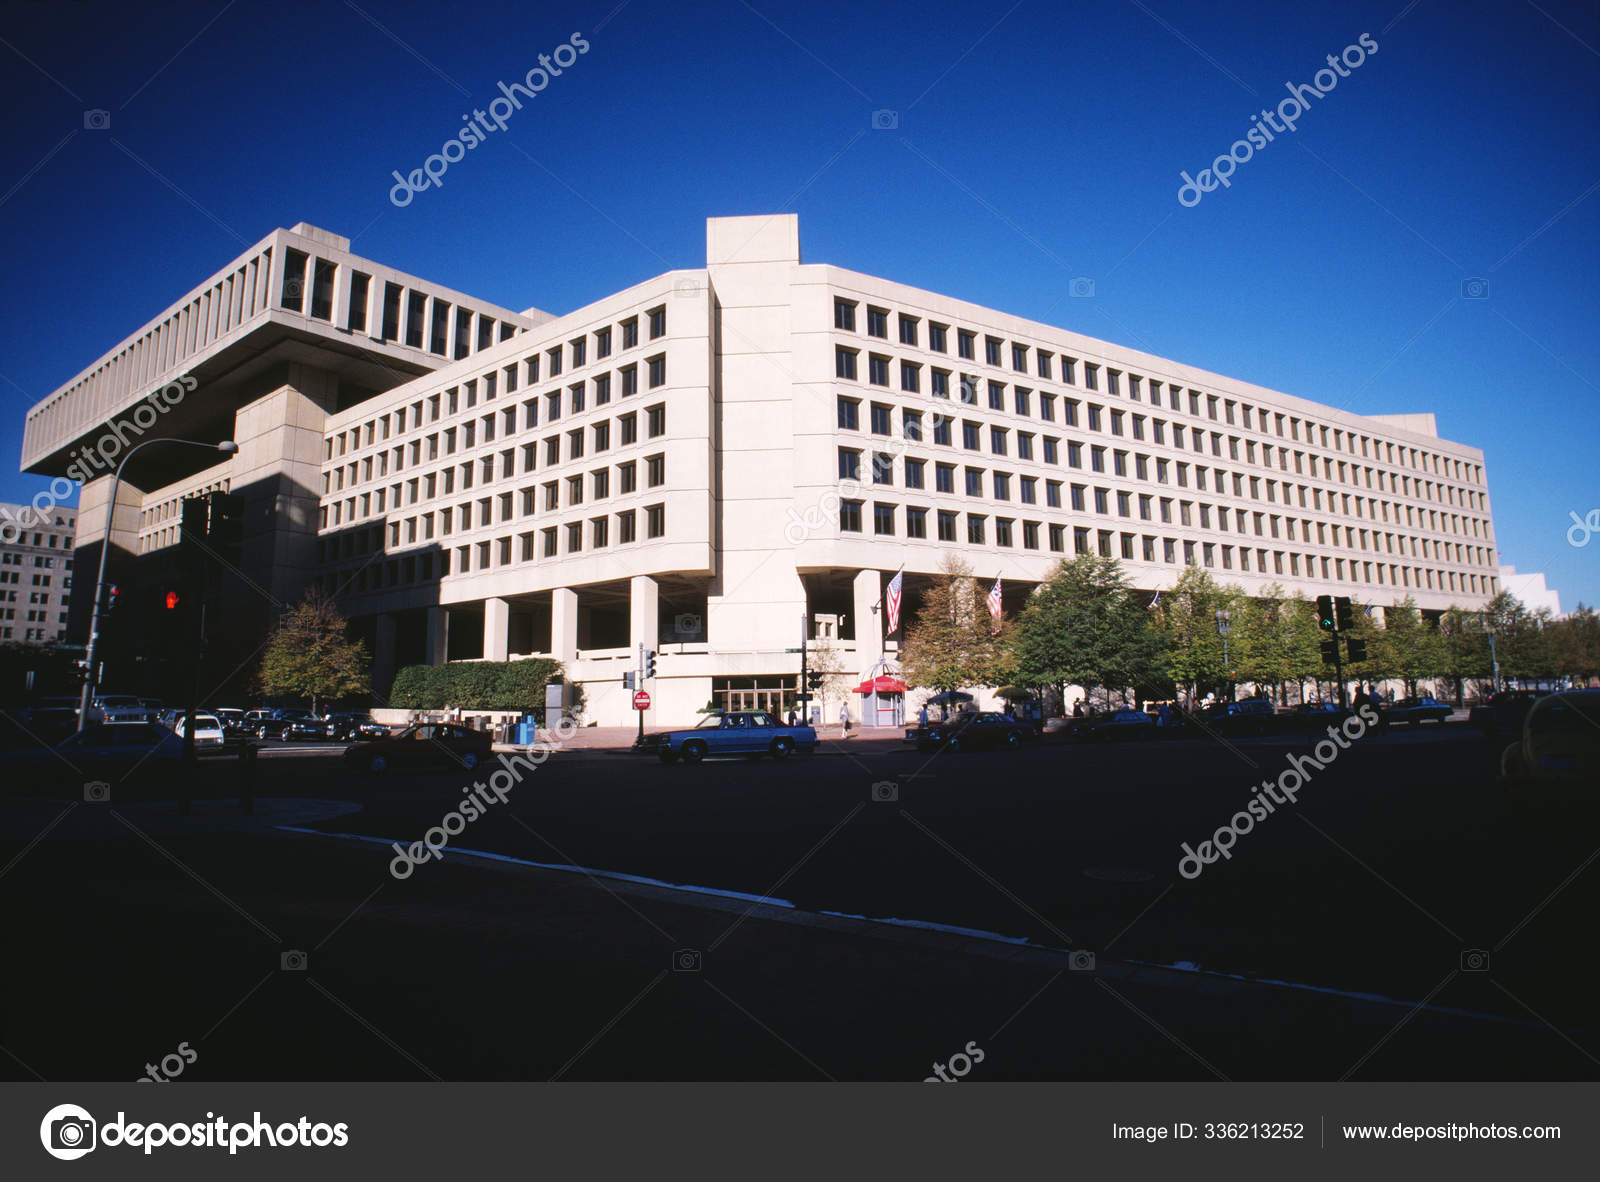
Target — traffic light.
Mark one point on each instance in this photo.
(650, 662)
(173, 601)
(813, 680)
(627, 679)
(1330, 652)
(1325, 613)
(1343, 613)
(108, 605)
(1358, 649)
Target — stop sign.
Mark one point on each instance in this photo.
(641, 700)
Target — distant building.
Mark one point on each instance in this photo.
(1531, 590)
(36, 551)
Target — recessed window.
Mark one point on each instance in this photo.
(877, 322)
(908, 330)
(844, 364)
(844, 315)
(658, 323)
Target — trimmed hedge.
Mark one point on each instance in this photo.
(477, 685)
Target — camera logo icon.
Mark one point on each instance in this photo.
(293, 961)
(885, 790)
(686, 287)
(1475, 960)
(1081, 288)
(97, 791)
(884, 119)
(291, 289)
(67, 1132)
(1080, 960)
(96, 119)
(687, 624)
(1475, 289)
(686, 960)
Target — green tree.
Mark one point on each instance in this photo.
(309, 655)
(1410, 647)
(1276, 640)
(953, 642)
(1574, 644)
(1084, 625)
(1185, 623)
(1464, 649)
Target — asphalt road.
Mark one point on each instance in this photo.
(1399, 864)
(1403, 871)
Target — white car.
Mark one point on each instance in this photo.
(207, 729)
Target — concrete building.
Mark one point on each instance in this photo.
(1530, 588)
(699, 463)
(36, 560)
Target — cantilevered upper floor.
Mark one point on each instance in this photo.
(297, 295)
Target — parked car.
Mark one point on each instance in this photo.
(1560, 743)
(273, 726)
(1122, 724)
(207, 729)
(309, 728)
(751, 733)
(439, 744)
(346, 728)
(1416, 711)
(121, 708)
(971, 731)
(1249, 716)
(231, 718)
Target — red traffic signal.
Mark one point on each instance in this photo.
(172, 601)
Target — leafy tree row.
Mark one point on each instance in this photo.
(1087, 625)
(476, 685)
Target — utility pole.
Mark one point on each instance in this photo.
(638, 683)
(1223, 628)
(805, 688)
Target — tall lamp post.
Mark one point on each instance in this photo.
(226, 447)
(1223, 628)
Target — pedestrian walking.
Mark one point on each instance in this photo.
(844, 719)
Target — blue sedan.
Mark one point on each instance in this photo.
(751, 733)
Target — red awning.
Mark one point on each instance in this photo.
(883, 684)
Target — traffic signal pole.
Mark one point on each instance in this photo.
(805, 685)
(638, 684)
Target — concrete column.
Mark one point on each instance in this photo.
(383, 669)
(496, 630)
(438, 634)
(644, 613)
(564, 624)
(868, 587)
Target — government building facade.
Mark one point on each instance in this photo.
(711, 462)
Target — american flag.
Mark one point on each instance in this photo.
(891, 601)
(994, 600)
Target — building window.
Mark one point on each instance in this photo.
(849, 414)
(656, 421)
(883, 520)
(965, 343)
(975, 530)
(947, 526)
(844, 315)
(910, 377)
(936, 338)
(877, 322)
(849, 464)
(657, 371)
(655, 521)
(944, 478)
(877, 369)
(627, 527)
(658, 323)
(655, 471)
(850, 513)
(916, 523)
(913, 473)
(880, 419)
(908, 330)
(844, 364)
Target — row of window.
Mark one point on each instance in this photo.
(35, 633)
(1009, 531)
(1140, 427)
(43, 542)
(552, 362)
(554, 541)
(1163, 471)
(1046, 365)
(595, 485)
(503, 465)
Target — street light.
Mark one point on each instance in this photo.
(226, 447)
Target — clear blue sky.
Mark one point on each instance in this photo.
(1034, 146)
